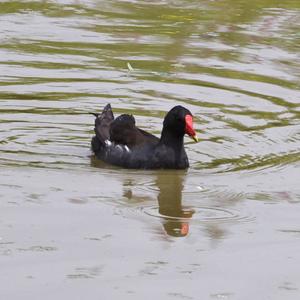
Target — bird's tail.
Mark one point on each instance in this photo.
(102, 126)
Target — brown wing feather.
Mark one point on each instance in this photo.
(123, 131)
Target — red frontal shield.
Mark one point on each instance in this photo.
(189, 129)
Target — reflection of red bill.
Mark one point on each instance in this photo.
(184, 228)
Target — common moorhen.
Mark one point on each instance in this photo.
(119, 142)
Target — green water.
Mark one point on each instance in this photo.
(73, 228)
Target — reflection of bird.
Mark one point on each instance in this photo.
(119, 142)
(170, 204)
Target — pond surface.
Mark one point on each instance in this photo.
(227, 228)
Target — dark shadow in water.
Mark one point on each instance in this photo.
(175, 216)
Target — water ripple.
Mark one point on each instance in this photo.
(240, 79)
(202, 214)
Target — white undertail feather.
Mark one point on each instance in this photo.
(108, 143)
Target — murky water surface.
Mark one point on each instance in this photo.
(72, 228)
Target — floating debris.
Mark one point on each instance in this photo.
(130, 68)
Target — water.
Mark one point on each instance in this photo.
(73, 228)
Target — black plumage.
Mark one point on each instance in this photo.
(119, 142)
